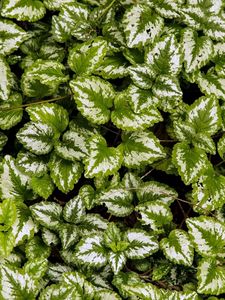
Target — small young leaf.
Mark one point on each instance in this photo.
(7, 214)
(36, 249)
(74, 210)
(43, 186)
(49, 237)
(7, 243)
(68, 235)
(117, 261)
(6, 76)
(36, 268)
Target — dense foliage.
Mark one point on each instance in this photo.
(112, 178)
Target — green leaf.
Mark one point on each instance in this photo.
(10, 111)
(68, 234)
(190, 162)
(153, 191)
(13, 183)
(125, 118)
(6, 79)
(43, 186)
(87, 194)
(74, 210)
(94, 98)
(102, 160)
(211, 277)
(143, 291)
(30, 10)
(3, 140)
(48, 214)
(49, 237)
(112, 237)
(37, 137)
(92, 223)
(156, 214)
(64, 173)
(90, 251)
(142, 76)
(141, 244)
(117, 200)
(141, 148)
(106, 294)
(55, 4)
(86, 57)
(37, 249)
(7, 242)
(43, 78)
(7, 214)
(141, 25)
(165, 56)
(32, 164)
(52, 51)
(197, 50)
(221, 146)
(178, 247)
(116, 261)
(11, 36)
(36, 268)
(208, 235)
(51, 114)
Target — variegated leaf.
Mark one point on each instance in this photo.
(116, 261)
(64, 173)
(208, 235)
(7, 243)
(56, 270)
(141, 244)
(165, 56)
(32, 164)
(166, 8)
(141, 25)
(49, 237)
(7, 214)
(31, 10)
(221, 146)
(86, 57)
(42, 186)
(24, 226)
(142, 76)
(68, 234)
(13, 183)
(214, 27)
(211, 277)
(52, 51)
(36, 248)
(92, 223)
(55, 4)
(106, 294)
(125, 118)
(94, 98)
(48, 214)
(102, 160)
(43, 78)
(87, 194)
(156, 214)
(10, 111)
(11, 36)
(37, 137)
(3, 140)
(36, 268)
(117, 200)
(178, 247)
(90, 251)
(74, 210)
(6, 79)
(213, 7)
(141, 148)
(51, 114)
(190, 162)
(153, 190)
(197, 50)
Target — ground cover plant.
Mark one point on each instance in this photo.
(112, 175)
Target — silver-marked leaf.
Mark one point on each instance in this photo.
(74, 210)
(43, 78)
(49, 237)
(10, 111)
(52, 51)
(125, 118)
(36, 268)
(30, 10)
(68, 235)
(153, 191)
(166, 8)
(90, 251)
(178, 247)
(141, 148)
(190, 162)
(116, 261)
(117, 200)
(32, 164)
(64, 173)
(37, 137)
(74, 145)
(197, 50)
(106, 294)
(214, 27)
(3, 140)
(141, 25)
(211, 277)
(42, 186)
(94, 98)
(113, 67)
(87, 194)
(36, 248)
(51, 114)
(86, 57)
(142, 76)
(213, 7)
(24, 226)
(16, 284)
(48, 214)
(92, 223)
(102, 160)
(165, 56)
(156, 214)
(208, 235)
(56, 270)
(13, 183)
(6, 79)
(141, 244)
(55, 4)
(11, 36)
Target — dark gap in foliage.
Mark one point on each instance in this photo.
(191, 92)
